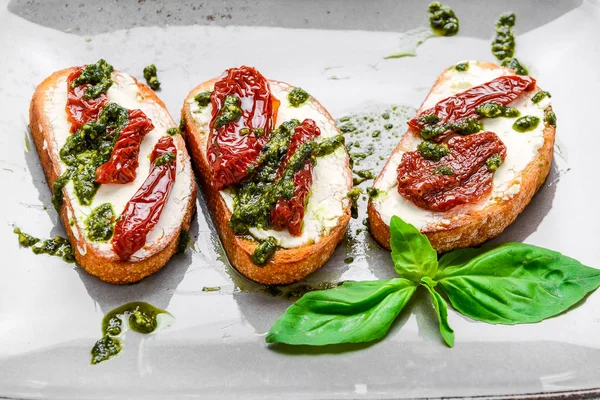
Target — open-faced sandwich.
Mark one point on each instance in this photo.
(477, 151)
(118, 168)
(274, 171)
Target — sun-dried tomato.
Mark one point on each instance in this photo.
(452, 112)
(462, 176)
(124, 159)
(290, 213)
(79, 109)
(142, 212)
(240, 125)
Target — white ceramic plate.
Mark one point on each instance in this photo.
(50, 312)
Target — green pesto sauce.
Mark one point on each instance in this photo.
(347, 128)
(355, 157)
(87, 149)
(402, 54)
(98, 75)
(329, 145)
(373, 192)
(442, 20)
(182, 124)
(467, 127)
(429, 119)
(494, 162)
(25, 239)
(230, 112)
(353, 195)
(443, 170)
(57, 187)
(495, 110)
(462, 67)
(203, 98)
(297, 97)
(211, 288)
(515, 65)
(142, 318)
(503, 44)
(105, 348)
(256, 196)
(264, 251)
(184, 240)
(27, 145)
(550, 118)
(150, 76)
(526, 123)
(99, 224)
(539, 96)
(363, 175)
(173, 131)
(58, 246)
(165, 158)
(432, 151)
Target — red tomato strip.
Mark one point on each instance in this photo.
(79, 109)
(470, 179)
(123, 162)
(142, 212)
(290, 213)
(455, 109)
(229, 152)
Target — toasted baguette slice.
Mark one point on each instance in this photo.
(527, 164)
(50, 129)
(293, 262)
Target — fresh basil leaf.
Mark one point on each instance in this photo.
(351, 313)
(412, 253)
(514, 283)
(441, 309)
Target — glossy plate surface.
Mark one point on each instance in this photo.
(51, 312)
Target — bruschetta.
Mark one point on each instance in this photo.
(274, 171)
(118, 169)
(476, 152)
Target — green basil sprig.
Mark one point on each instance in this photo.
(513, 283)
(413, 255)
(441, 309)
(350, 313)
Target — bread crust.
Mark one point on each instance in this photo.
(111, 270)
(287, 265)
(478, 226)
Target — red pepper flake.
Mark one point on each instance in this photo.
(290, 213)
(456, 109)
(230, 152)
(123, 162)
(460, 177)
(80, 110)
(142, 212)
